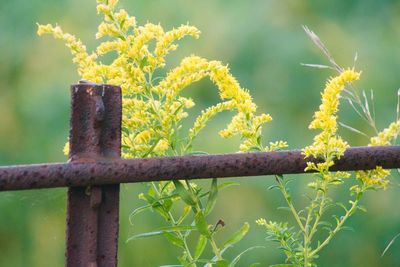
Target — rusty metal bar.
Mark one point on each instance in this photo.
(114, 171)
(92, 212)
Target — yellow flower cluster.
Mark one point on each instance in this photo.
(377, 177)
(327, 145)
(261, 222)
(152, 106)
(207, 114)
(385, 137)
(374, 178)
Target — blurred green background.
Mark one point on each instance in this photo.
(264, 44)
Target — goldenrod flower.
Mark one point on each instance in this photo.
(261, 221)
(385, 137)
(377, 177)
(328, 145)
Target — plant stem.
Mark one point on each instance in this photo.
(215, 248)
(286, 195)
(173, 223)
(337, 228)
(320, 212)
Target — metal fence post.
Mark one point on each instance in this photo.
(92, 212)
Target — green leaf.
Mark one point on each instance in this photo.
(160, 210)
(198, 153)
(144, 235)
(173, 239)
(222, 263)
(390, 244)
(201, 224)
(167, 204)
(137, 211)
(224, 185)
(125, 147)
(284, 209)
(185, 213)
(178, 228)
(237, 258)
(273, 187)
(212, 198)
(237, 236)
(221, 186)
(163, 230)
(186, 196)
(283, 265)
(125, 130)
(342, 206)
(165, 186)
(362, 208)
(201, 244)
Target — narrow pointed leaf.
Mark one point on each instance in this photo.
(185, 213)
(200, 246)
(184, 194)
(201, 224)
(144, 235)
(177, 228)
(137, 211)
(236, 237)
(222, 263)
(283, 265)
(173, 239)
(237, 258)
(212, 198)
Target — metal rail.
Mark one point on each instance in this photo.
(115, 171)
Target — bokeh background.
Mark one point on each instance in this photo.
(264, 44)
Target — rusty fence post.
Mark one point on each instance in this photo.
(92, 212)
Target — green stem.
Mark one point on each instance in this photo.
(320, 212)
(173, 223)
(309, 233)
(286, 195)
(215, 248)
(338, 226)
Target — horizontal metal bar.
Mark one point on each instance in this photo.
(185, 167)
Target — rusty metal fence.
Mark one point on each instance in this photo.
(95, 170)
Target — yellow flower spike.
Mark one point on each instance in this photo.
(385, 137)
(327, 145)
(144, 35)
(277, 145)
(103, 9)
(377, 177)
(165, 43)
(261, 222)
(143, 137)
(161, 146)
(246, 146)
(206, 115)
(42, 29)
(261, 119)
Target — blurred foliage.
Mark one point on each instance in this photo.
(264, 44)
